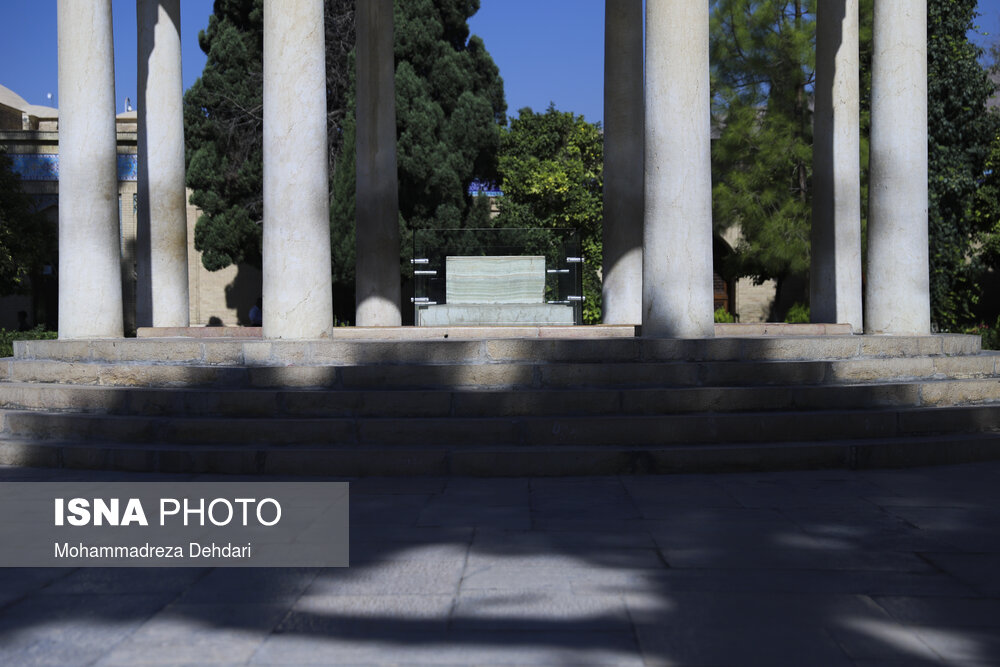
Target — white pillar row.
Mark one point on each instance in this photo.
(90, 284)
(297, 293)
(623, 150)
(835, 276)
(677, 288)
(897, 293)
(377, 288)
(161, 235)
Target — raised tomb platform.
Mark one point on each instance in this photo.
(495, 291)
(434, 401)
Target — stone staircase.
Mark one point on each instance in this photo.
(499, 406)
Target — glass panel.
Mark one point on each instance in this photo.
(499, 277)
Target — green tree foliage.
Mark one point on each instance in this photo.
(449, 107)
(763, 55)
(342, 220)
(961, 135)
(25, 241)
(223, 117)
(223, 124)
(987, 206)
(7, 338)
(449, 110)
(987, 211)
(552, 171)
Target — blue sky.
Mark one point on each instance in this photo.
(547, 50)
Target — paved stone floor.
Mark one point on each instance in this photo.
(801, 568)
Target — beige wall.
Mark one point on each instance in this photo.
(222, 297)
(10, 119)
(751, 302)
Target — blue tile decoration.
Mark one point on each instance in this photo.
(35, 167)
(128, 167)
(481, 189)
(45, 166)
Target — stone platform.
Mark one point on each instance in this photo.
(603, 402)
(827, 568)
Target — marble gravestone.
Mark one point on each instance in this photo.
(500, 279)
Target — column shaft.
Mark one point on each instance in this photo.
(897, 293)
(298, 293)
(161, 236)
(623, 150)
(90, 285)
(677, 289)
(377, 197)
(835, 276)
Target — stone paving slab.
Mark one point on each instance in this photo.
(795, 568)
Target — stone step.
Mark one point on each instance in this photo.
(409, 333)
(499, 405)
(242, 402)
(756, 373)
(497, 332)
(578, 430)
(244, 352)
(350, 461)
(512, 374)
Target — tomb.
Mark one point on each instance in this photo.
(496, 291)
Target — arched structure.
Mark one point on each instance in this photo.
(658, 222)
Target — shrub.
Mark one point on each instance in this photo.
(724, 316)
(798, 314)
(7, 338)
(990, 335)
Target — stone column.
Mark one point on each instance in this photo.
(377, 198)
(677, 289)
(298, 292)
(161, 236)
(835, 276)
(90, 284)
(897, 292)
(623, 150)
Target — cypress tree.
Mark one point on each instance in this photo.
(223, 126)
(449, 110)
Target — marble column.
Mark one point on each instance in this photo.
(897, 293)
(677, 288)
(377, 197)
(161, 235)
(298, 293)
(90, 284)
(835, 276)
(623, 149)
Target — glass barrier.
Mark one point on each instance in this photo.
(497, 277)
